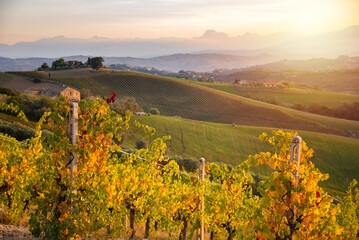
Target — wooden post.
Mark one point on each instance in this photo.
(295, 154)
(73, 134)
(201, 174)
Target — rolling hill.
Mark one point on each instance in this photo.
(186, 99)
(200, 119)
(340, 81)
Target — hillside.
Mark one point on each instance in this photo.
(176, 97)
(340, 81)
(335, 155)
(314, 64)
(209, 137)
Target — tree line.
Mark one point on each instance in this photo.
(346, 110)
(61, 64)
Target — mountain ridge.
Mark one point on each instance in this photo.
(329, 44)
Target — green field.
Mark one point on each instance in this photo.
(288, 97)
(338, 156)
(350, 127)
(344, 81)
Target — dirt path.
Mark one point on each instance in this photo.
(10, 232)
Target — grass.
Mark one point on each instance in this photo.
(345, 81)
(332, 124)
(288, 97)
(335, 155)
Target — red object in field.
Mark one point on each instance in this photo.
(318, 196)
(112, 98)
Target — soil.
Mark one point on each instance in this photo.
(10, 232)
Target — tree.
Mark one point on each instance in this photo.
(60, 63)
(155, 111)
(96, 62)
(126, 104)
(44, 66)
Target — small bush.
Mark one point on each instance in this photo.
(85, 93)
(37, 80)
(188, 164)
(126, 103)
(141, 143)
(154, 111)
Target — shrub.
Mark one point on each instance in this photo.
(141, 143)
(16, 130)
(188, 164)
(85, 93)
(7, 91)
(126, 103)
(154, 111)
(299, 106)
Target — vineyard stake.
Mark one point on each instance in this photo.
(201, 174)
(73, 133)
(295, 154)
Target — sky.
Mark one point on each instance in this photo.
(29, 20)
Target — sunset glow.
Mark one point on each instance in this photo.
(22, 20)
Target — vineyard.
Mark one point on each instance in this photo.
(189, 100)
(86, 186)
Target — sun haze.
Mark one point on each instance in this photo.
(22, 20)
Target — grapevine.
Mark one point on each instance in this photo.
(111, 185)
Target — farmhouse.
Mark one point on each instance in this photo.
(243, 82)
(270, 83)
(72, 94)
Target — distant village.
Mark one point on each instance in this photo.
(215, 76)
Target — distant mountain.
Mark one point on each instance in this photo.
(330, 44)
(196, 62)
(210, 51)
(314, 64)
(175, 62)
(212, 40)
(212, 34)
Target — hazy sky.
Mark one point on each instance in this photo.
(28, 20)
